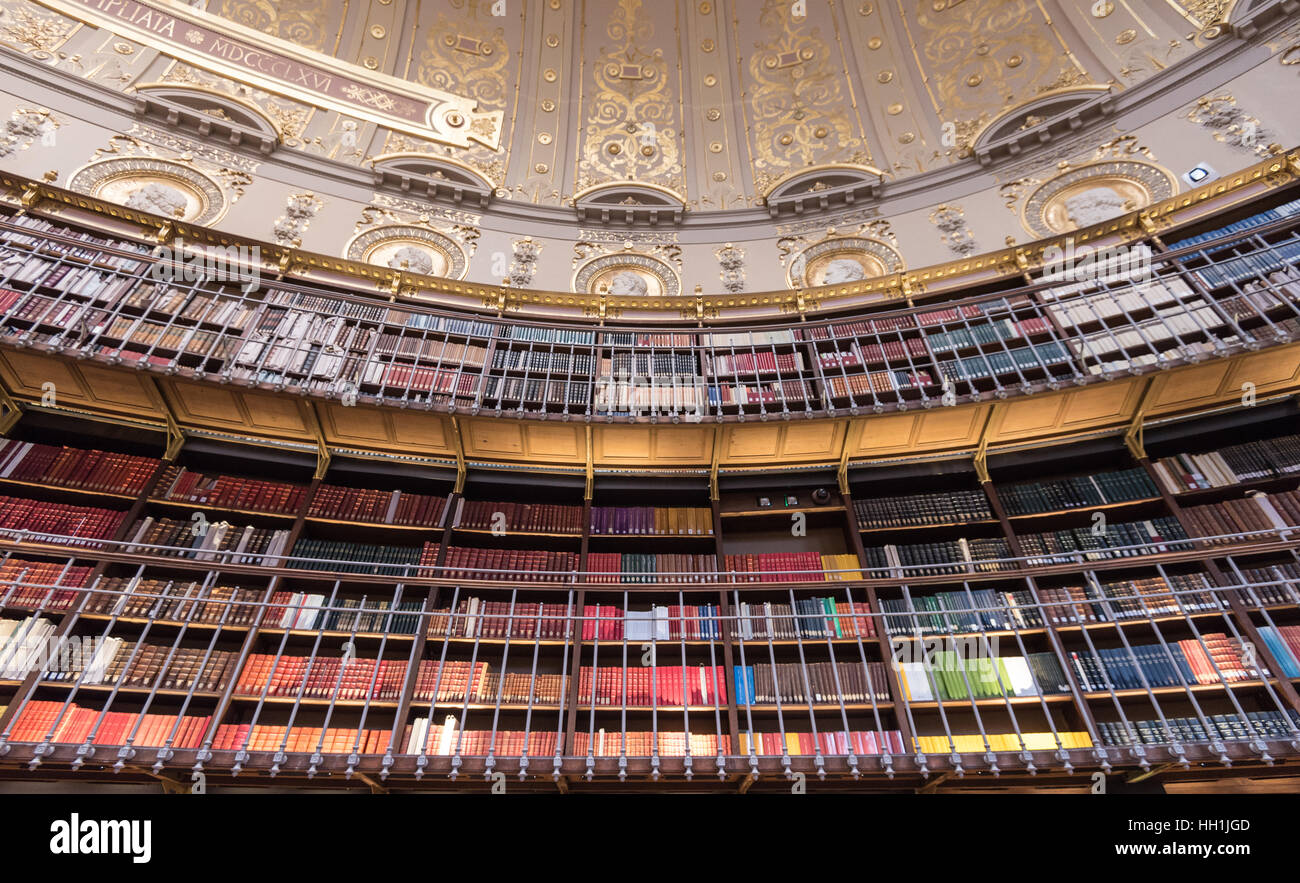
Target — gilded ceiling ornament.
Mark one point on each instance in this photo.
(951, 221)
(842, 260)
(1123, 146)
(794, 90)
(143, 139)
(34, 31)
(410, 249)
(290, 117)
(26, 126)
(1231, 124)
(149, 184)
(523, 267)
(308, 23)
(299, 209)
(1094, 193)
(731, 259)
(627, 275)
(631, 108)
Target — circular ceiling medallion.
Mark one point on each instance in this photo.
(157, 186)
(627, 276)
(410, 249)
(842, 261)
(1095, 193)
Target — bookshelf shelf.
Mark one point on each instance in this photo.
(1022, 585)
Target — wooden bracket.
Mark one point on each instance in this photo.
(932, 786)
(1134, 778)
(323, 455)
(842, 473)
(713, 467)
(375, 787)
(1133, 439)
(13, 411)
(460, 455)
(982, 452)
(175, 435)
(591, 471)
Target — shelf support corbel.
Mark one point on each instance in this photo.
(460, 455)
(713, 466)
(175, 434)
(981, 457)
(591, 470)
(1133, 436)
(842, 472)
(323, 455)
(13, 412)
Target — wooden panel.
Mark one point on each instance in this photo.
(888, 433)
(123, 389)
(205, 404)
(278, 414)
(353, 427)
(1110, 403)
(422, 433)
(681, 445)
(749, 443)
(819, 439)
(620, 444)
(558, 442)
(1267, 370)
(1191, 387)
(1026, 417)
(947, 427)
(493, 438)
(26, 373)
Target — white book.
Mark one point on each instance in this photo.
(307, 614)
(639, 625)
(1022, 679)
(662, 628)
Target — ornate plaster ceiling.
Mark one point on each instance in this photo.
(718, 102)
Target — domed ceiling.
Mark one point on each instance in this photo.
(713, 103)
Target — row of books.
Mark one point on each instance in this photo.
(172, 601)
(1262, 263)
(376, 506)
(1258, 219)
(958, 506)
(103, 471)
(40, 518)
(117, 661)
(49, 585)
(205, 540)
(518, 565)
(665, 743)
(807, 618)
(1212, 660)
(476, 617)
(305, 610)
(1032, 497)
(653, 685)
(1071, 544)
(348, 557)
(1004, 362)
(1258, 512)
(1267, 724)
(814, 683)
(427, 349)
(188, 486)
(651, 520)
(1230, 466)
(948, 676)
(791, 567)
(989, 333)
(25, 646)
(446, 740)
(979, 743)
(868, 384)
(643, 567)
(608, 622)
(944, 613)
(530, 517)
(49, 721)
(301, 740)
(835, 742)
(770, 362)
(962, 555)
(541, 361)
(1283, 641)
(322, 677)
